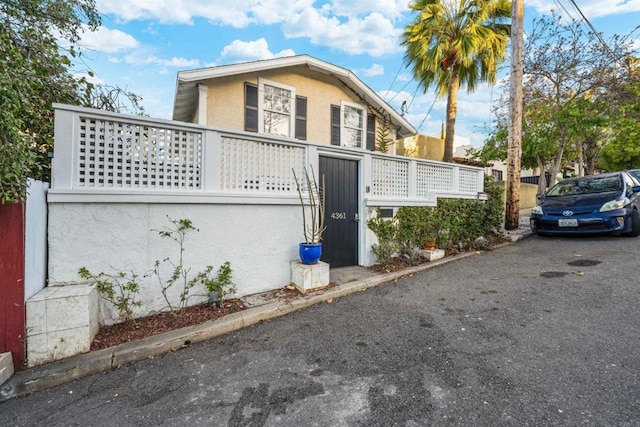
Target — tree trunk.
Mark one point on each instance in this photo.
(542, 182)
(452, 108)
(514, 154)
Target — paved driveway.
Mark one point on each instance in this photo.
(542, 332)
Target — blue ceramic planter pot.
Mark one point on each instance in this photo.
(310, 253)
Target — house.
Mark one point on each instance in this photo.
(297, 97)
(227, 162)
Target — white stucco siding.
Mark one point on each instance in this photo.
(259, 241)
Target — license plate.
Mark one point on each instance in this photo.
(567, 222)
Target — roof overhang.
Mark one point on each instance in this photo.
(186, 97)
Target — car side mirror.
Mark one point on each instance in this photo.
(636, 189)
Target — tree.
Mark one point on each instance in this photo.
(34, 73)
(453, 43)
(568, 72)
(580, 105)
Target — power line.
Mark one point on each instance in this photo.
(596, 33)
(428, 112)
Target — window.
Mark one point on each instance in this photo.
(276, 107)
(349, 125)
(353, 128)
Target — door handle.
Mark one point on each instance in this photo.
(356, 217)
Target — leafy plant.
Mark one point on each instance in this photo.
(222, 285)
(454, 222)
(385, 231)
(312, 226)
(120, 289)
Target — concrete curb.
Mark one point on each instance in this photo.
(56, 373)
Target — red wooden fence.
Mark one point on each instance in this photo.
(12, 311)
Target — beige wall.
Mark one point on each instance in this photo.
(225, 103)
(421, 146)
(528, 194)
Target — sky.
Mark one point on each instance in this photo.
(141, 45)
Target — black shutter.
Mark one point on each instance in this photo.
(301, 117)
(371, 132)
(250, 107)
(335, 125)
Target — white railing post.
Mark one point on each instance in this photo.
(65, 137)
(211, 161)
(455, 179)
(313, 159)
(480, 181)
(412, 176)
(367, 174)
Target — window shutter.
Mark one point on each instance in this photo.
(250, 107)
(335, 125)
(301, 117)
(371, 132)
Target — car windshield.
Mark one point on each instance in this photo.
(635, 173)
(587, 185)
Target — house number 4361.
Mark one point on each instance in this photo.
(339, 215)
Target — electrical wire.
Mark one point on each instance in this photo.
(428, 112)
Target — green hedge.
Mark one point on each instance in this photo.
(453, 222)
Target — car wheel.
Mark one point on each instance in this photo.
(635, 224)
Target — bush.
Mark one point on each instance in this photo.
(453, 222)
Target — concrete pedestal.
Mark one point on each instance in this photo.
(309, 277)
(61, 322)
(433, 255)
(6, 367)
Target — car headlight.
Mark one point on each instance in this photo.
(614, 204)
(537, 210)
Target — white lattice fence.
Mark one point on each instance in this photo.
(390, 178)
(468, 181)
(114, 154)
(433, 177)
(258, 166)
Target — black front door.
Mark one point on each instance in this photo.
(340, 239)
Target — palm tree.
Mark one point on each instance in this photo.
(454, 42)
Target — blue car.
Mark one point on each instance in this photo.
(606, 203)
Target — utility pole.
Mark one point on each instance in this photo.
(514, 154)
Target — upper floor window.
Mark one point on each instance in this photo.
(273, 108)
(351, 126)
(277, 103)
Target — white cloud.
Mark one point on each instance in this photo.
(344, 25)
(240, 51)
(135, 59)
(374, 34)
(374, 70)
(390, 8)
(108, 41)
(238, 14)
(91, 79)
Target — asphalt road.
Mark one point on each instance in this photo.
(542, 332)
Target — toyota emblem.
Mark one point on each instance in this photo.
(567, 213)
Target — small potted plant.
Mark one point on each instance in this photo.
(310, 250)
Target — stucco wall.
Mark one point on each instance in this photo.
(259, 241)
(422, 147)
(528, 194)
(225, 103)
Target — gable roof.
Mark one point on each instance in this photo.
(186, 97)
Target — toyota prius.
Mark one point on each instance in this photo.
(606, 203)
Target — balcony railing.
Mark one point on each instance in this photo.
(101, 156)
